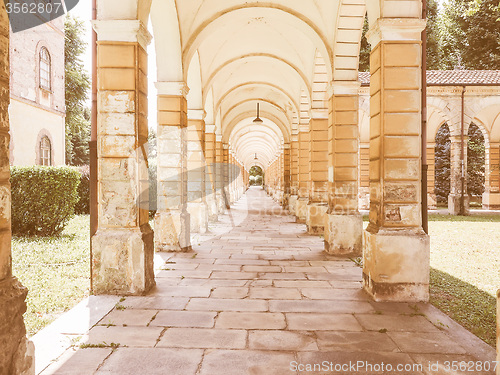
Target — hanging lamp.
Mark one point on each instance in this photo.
(258, 120)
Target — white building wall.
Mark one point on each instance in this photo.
(35, 112)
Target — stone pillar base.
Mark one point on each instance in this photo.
(172, 232)
(396, 265)
(221, 205)
(491, 201)
(431, 201)
(344, 234)
(279, 197)
(301, 210)
(315, 217)
(292, 202)
(212, 208)
(454, 204)
(17, 355)
(122, 261)
(286, 197)
(198, 217)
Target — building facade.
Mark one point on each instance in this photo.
(37, 96)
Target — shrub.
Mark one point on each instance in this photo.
(43, 199)
(83, 204)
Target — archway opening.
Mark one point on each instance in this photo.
(256, 176)
(476, 158)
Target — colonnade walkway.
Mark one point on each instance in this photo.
(259, 296)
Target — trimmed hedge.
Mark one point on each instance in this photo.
(43, 199)
(82, 207)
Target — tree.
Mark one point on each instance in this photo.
(77, 87)
(364, 53)
(476, 157)
(433, 36)
(442, 164)
(470, 34)
(152, 145)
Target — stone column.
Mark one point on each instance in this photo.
(458, 170)
(239, 180)
(279, 178)
(210, 173)
(231, 177)
(318, 174)
(286, 174)
(294, 172)
(431, 174)
(491, 196)
(197, 204)
(122, 248)
(276, 184)
(396, 249)
(343, 224)
(226, 176)
(303, 192)
(172, 222)
(16, 352)
(364, 176)
(270, 178)
(219, 173)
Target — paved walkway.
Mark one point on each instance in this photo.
(259, 296)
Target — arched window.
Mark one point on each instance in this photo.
(45, 151)
(45, 69)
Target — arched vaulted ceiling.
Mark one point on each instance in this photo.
(250, 52)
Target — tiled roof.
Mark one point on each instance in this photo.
(452, 77)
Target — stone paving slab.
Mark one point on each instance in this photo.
(322, 322)
(200, 319)
(355, 341)
(124, 336)
(131, 317)
(398, 323)
(247, 320)
(335, 294)
(426, 342)
(204, 338)
(230, 292)
(319, 306)
(79, 362)
(149, 361)
(249, 362)
(275, 293)
(282, 340)
(214, 304)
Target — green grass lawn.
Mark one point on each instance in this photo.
(465, 264)
(55, 270)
